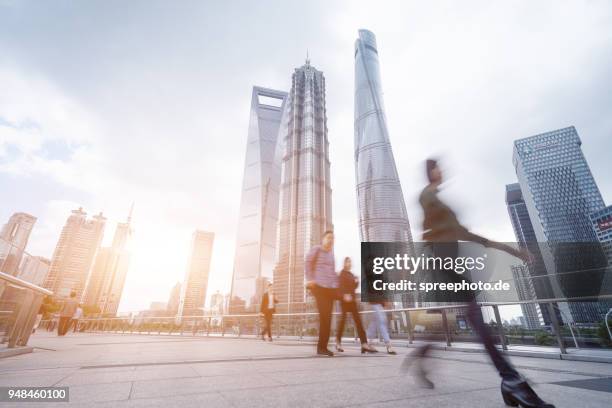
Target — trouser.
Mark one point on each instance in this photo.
(474, 315)
(64, 325)
(351, 307)
(267, 325)
(504, 367)
(378, 323)
(75, 325)
(325, 302)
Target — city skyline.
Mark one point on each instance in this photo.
(100, 146)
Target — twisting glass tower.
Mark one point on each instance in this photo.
(305, 191)
(382, 211)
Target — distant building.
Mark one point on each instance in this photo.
(193, 291)
(560, 193)
(257, 225)
(216, 303)
(305, 192)
(34, 269)
(158, 306)
(74, 253)
(525, 290)
(107, 279)
(174, 299)
(15, 233)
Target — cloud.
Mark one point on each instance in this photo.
(149, 103)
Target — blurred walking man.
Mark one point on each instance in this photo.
(322, 281)
(68, 310)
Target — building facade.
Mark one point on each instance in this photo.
(174, 299)
(536, 274)
(560, 193)
(602, 225)
(107, 278)
(305, 190)
(380, 201)
(15, 234)
(74, 253)
(257, 225)
(193, 290)
(525, 290)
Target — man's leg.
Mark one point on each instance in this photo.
(324, 304)
(505, 369)
(269, 325)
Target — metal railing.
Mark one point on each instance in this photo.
(19, 304)
(405, 323)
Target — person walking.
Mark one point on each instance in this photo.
(322, 281)
(347, 283)
(442, 229)
(379, 324)
(78, 315)
(67, 311)
(267, 310)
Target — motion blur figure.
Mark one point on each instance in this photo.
(442, 229)
(267, 310)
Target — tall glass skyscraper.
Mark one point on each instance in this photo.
(382, 211)
(193, 290)
(305, 193)
(257, 226)
(74, 254)
(560, 193)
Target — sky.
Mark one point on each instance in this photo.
(105, 103)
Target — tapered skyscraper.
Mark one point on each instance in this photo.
(193, 290)
(382, 211)
(305, 192)
(257, 226)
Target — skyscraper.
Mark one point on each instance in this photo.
(560, 193)
(524, 288)
(34, 269)
(380, 201)
(257, 226)
(174, 299)
(193, 291)
(107, 278)
(305, 192)
(531, 280)
(74, 253)
(602, 225)
(15, 234)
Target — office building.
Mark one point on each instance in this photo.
(257, 225)
(193, 291)
(305, 192)
(380, 200)
(174, 299)
(15, 234)
(525, 290)
(560, 193)
(74, 253)
(107, 279)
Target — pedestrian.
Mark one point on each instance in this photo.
(322, 281)
(442, 229)
(78, 314)
(379, 324)
(267, 310)
(68, 310)
(347, 283)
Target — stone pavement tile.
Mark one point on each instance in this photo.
(207, 400)
(297, 376)
(563, 396)
(489, 398)
(93, 376)
(100, 392)
(305, 395)
(46, 380)
(183, 386)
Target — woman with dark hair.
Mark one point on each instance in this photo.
(442, 229)
(347, 283)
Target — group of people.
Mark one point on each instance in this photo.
(327, 286)
(442, 231)
(68, 317)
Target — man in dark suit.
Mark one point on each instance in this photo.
(268, 307)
